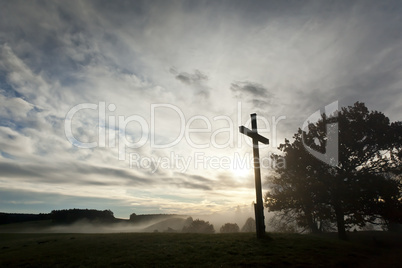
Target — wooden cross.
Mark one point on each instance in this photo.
(258, 207)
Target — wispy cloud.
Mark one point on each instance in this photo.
(252, 92)
(197, 80)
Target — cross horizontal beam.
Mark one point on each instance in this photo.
(253, 134)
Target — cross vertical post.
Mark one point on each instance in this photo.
(258, 206)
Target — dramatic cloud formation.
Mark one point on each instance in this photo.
(135, 106)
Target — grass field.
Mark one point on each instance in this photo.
(198, 250)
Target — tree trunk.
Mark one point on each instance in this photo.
(340, 222)
(311, 223)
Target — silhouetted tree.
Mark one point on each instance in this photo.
(199, 226)
(188, 221)
(347, 193)
(249, 226)
(297, 190)
(229, 228)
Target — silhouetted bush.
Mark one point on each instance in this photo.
(199, 226)
(229, 228)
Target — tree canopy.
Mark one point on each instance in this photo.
(362, 186)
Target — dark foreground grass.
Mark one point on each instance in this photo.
(198, 250)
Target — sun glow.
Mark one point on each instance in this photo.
(241, 172)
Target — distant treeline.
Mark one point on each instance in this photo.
(68, 216)
(65, 216)
(6, 218)
(73, 215)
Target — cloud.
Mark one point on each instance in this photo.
(189, 181)
(61, 173)
(15, 112)
(190, 185)
(190, 79)
(14, 143)
(255, 93)
(20, 76)
(197, 80)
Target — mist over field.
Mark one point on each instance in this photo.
(84, 226)
(160, 223)
(154, 223)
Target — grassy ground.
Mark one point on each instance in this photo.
(197, 250)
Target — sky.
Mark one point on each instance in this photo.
(134, 106)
